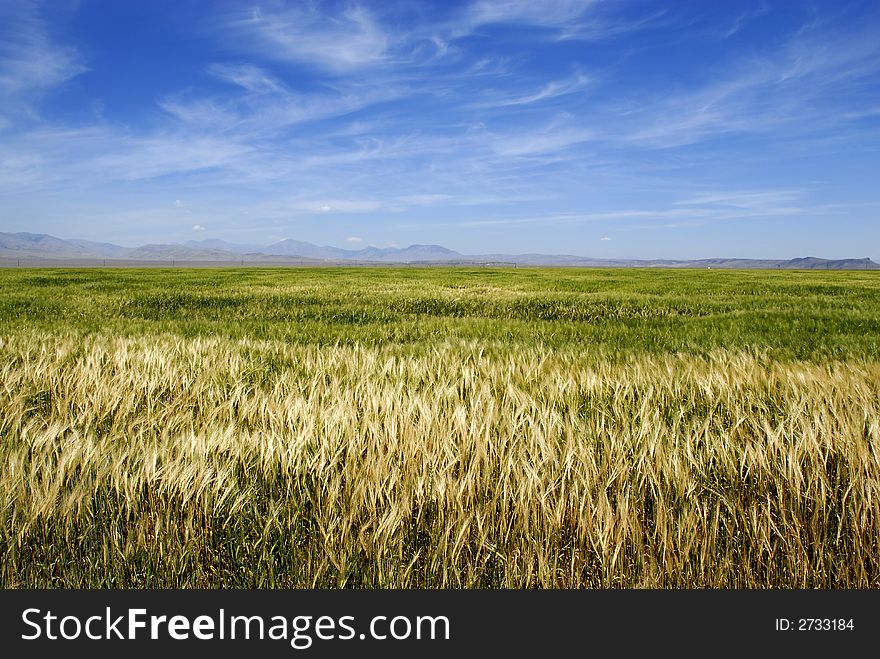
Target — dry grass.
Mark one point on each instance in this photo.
(164, 461)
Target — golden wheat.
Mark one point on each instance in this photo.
(162, 461)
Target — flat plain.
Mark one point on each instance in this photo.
(439, 427)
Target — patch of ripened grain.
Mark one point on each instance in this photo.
(162, 461)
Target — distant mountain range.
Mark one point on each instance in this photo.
(42, 247)
(301, 250)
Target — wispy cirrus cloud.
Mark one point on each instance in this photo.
(792, 89)
(336, 206)
(260, 104)
(32, 63)
(561, 20)
(550, 139)
(744, 18)
(550, 13)
(338, 42)
(768, 200)
(546, 143)
(546, 92)
(552, 89)
(84, 157)
(695, 210)
(251, 78)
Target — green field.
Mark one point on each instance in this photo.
(443, 427)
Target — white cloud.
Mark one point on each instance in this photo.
(31, 63)
(159, 155)
(550, 90)
(262, 106)
(539, 142)
(587, 20)
(350, 40)
(547, 13)
(742, 19)
(424, 199)
(693, 211)
(250, 78)
(792, 90)
(765, 200)
(604, 238)
(81, 158)
(337, 206)
(354, 239)
(198, 227)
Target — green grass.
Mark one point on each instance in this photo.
(609, 313)
(439, 428)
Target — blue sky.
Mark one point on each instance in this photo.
(598, 128)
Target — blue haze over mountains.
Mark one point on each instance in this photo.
(45, 249)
